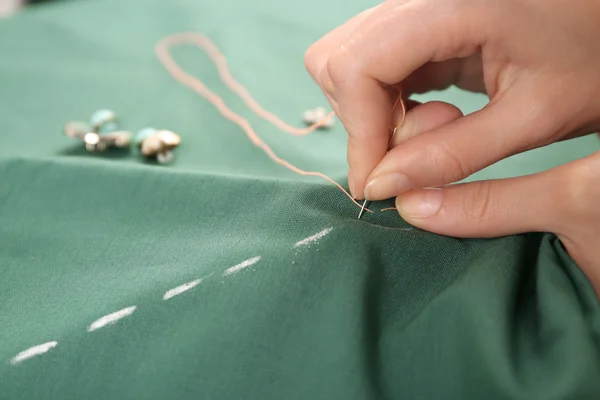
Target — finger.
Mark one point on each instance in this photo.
(400, 36)
(423, 118)
(456, 150)
(367, 143)
(490, 208)
(580, 230)
(465, 73)
(562, 200)
(394, 94)
(316, 60)
(419, 118)
(316, 56)
(388, 46)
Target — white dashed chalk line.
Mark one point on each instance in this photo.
(313, 238)
(241, 266)
(111, 318)
(32, 352)
(169, 294)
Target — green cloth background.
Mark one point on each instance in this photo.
(373, 310)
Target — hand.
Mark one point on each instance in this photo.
(539, 63)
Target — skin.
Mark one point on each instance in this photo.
(537, 60)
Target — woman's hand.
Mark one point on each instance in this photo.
(539, 63)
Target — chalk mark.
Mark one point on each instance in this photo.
(32, 352)
(169, 294)
(111, 318)
(241, 266)
(313, 238)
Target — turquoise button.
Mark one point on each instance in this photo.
(143, 134)
(102, 117)
(108, 127)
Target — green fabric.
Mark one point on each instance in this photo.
(374, 309)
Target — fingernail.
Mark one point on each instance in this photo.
(386, 186)
(421, 203)
(351, 183)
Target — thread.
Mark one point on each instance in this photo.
(220, 61)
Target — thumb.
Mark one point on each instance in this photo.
(559, 200)
(563, 200)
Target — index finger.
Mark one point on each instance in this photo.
(391, 43)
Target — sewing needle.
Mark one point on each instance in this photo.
(362, 210)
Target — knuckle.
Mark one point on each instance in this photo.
(481, 202)
(478, 203)
(452, 167)
(311, 61)
(337, 68)
(326, 82)
(582, 186)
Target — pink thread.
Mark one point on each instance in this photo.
(162, 51)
